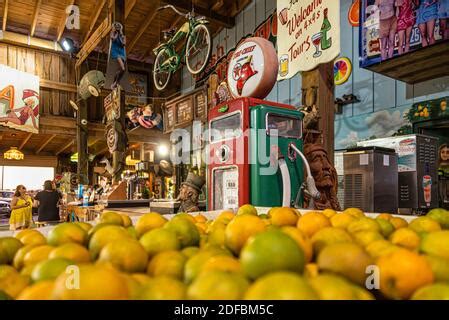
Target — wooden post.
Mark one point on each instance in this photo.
(82, 133)
(321, 82)
(118, 156)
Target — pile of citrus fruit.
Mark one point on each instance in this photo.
(284, 254)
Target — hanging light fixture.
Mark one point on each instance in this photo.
(13, 154)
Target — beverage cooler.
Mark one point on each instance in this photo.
(418, 170)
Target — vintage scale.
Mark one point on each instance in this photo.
(255, 145)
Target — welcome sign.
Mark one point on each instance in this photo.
(308, 34)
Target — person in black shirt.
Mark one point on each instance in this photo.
(47, 202)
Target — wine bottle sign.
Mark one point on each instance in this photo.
(308, 34)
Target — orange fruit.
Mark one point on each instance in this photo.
(105, 235)
(127, 255)
(440, 268)
(271, 251)
(441, 216)
(437, 291)
(436, 244)
(385, 216)
(301, 239)
(346, 259)
(311, 270)
(355, 212)
(91, 282)
(378, 248)
(11, 282)
(281, 286)
(30, 236)
(184, 215)
(424, 225)
(38, 291)
(159, 240)
(398, 222)
(194, 265)
(167, 263)
(247, 209)
(71, 251)
(84, 225)
(402, 273)
(406, 238)
(141, 278)
(218, 285)
(327, 236)
(283, 217)
(126, 220)
(342, 220)
(164, 288)
(222, 263)
(240, 229)
(329, 213)
(365, 238)
(200, 218)
(112, 218)
(311, 222)
(50, 269)
(149, 221)
(37, 254)
(8, 249)
(185, 230)
(216, 236)
(67, 232)
(333, 287)
(363, 224)
(386, 227)
(226, 215)
(190, 251)
(20, 254)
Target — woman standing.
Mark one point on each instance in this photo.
(406, 21)
(427, 15)
(21, 205)
(47, 202)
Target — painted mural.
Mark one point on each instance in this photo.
(19, 100)
(385, 123)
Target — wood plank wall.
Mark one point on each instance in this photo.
(48, 66)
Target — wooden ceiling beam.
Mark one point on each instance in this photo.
(24, 141)
(5, 15)
(214, 17)
(63, 21)
(35, 16)
(129, 7)
(46, 142)
(65, 147)
(148, 20)
(93, 19)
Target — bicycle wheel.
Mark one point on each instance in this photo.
(198, 49)
(161, 75)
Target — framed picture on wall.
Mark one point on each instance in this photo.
(169, 118)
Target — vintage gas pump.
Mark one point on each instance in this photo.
(255, 145)
(255, 155)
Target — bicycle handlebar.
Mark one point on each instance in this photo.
(169, 6)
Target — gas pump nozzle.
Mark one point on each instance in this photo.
(308, 187)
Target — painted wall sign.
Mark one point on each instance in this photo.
(308, 34)
(405, 26)
(139, 92)
(19, 100)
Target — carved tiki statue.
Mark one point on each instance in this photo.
(189, 193)
(325, 177)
